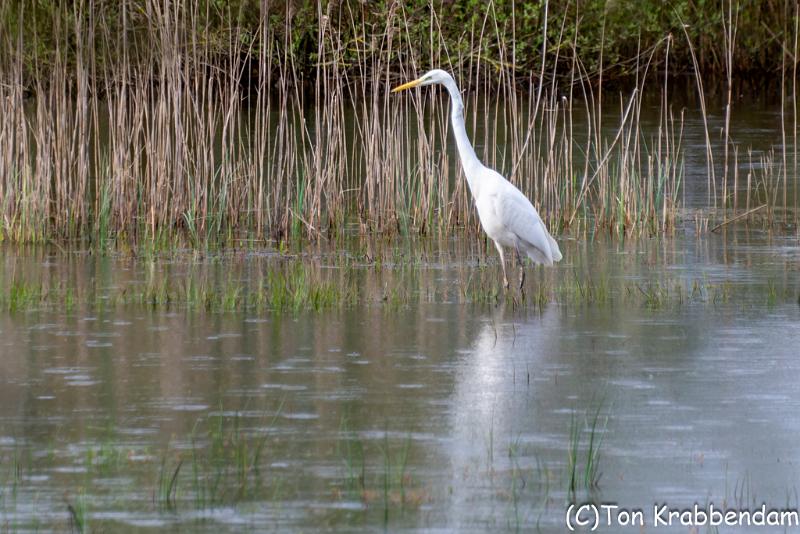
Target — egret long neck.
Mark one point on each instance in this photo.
(469, 160)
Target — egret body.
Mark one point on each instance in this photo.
(506, 215)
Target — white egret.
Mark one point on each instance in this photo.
(507, 216)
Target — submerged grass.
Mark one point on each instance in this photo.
(228, 468)
(220, 463)
(21, 296)
(385, 481)
(295, 284)
(583, 454)
(296, 288)
(78, 513)
(351, 450)
(224, 465)
(12, 477)
(167, 486)
(527, 486)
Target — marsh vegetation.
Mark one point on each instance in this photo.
(157, 123)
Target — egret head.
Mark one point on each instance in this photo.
(429, 78)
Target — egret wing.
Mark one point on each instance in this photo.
(521, 219)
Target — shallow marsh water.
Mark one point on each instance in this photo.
(391, 386)
(411, 400)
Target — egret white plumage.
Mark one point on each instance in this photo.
(506, 215)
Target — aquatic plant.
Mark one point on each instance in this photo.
(222, 467)
(227, 468)
(388, 481)
(167, 487)
(351, 450)
(78, 511)
(105, 458)
(296, 284)
(585, 437)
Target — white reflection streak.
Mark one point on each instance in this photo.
(490, 407)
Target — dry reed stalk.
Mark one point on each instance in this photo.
(729, 23)
(749, 178)
(783, 111)
(711, 184)
(795, 61)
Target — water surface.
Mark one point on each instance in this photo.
(425, 405)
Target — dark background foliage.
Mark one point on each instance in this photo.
(607, 35)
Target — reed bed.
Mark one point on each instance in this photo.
(183, 139)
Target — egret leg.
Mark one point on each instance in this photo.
(521, 269)
(503, 263)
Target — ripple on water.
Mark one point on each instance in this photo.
(69, 469)
(81, 382)
(36, 478)
(766, 397)
(301, 416)
(341, 505)
(79, 375)
(284, 387)
(228, 516)
(180, 405)
(139, 522)
(138, 431)
(189, 407)
(199, 358)
(292, 365)
(43, 326)
(632, 384)
(741, 371)
(678, 428)
(224, 335)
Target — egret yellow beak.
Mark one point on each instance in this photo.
(408, 85)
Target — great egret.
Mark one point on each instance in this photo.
(507, 216)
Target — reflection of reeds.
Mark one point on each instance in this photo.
(294, 285)
(390, 479)
(172, 140)
(227, 468)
